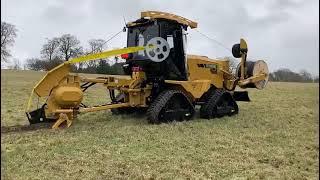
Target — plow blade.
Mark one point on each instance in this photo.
(241, 96)
(38, 116)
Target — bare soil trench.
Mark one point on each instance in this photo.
(23, 128)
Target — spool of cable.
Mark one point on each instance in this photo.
(255, 68)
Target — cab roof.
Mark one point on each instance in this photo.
(164, 15)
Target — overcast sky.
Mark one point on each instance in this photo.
(285, 33)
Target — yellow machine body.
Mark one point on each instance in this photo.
(65, 93)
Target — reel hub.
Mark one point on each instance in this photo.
(157, 49)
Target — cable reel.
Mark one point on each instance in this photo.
(157, 49)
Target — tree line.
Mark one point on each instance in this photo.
(60, 49)
(286, 75)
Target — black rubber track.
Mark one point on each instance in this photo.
(208, 109)
(161, 101)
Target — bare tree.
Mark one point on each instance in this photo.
(49, 50)
(69, 46)
(35, 64)
(8, 35)
(16, 64)
(45, 65)
(96, 46)
(306, 76)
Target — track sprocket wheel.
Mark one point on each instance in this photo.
(170, 105)
(219, 104)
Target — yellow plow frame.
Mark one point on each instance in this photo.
(54, 78)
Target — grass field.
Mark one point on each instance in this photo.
(273, 137)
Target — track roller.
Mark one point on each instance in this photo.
(170, 105)
(219, 104)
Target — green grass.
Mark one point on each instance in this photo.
(273, 137)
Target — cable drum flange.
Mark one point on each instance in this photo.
(157, 49)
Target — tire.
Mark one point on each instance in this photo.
(170, 105)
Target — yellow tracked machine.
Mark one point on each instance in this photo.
(163, 80)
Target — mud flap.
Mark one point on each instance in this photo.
(38, 116)
(241, 96)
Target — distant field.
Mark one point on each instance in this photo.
(273, 137)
